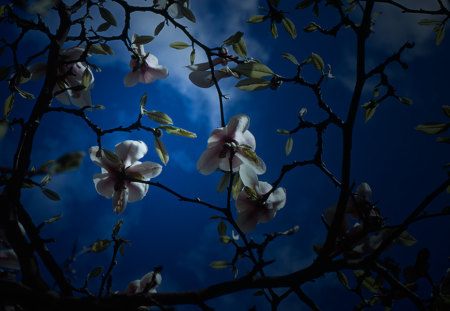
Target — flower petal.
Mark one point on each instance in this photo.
(103, 162)
(129, 151)
(132, 287)
(8, 259)
(238, 123)
(248, 176)
(131, 79)
(37, 71)
(147, 169)
(259, 167)
(83, 100)
(104, 184)
(277, 198)
(209, 160)
(247, 220)
(120, 200)
(136, 191)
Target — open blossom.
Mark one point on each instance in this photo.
(70, 77)
(233, 139)
(147, 284)
(202, 77)
(120, 166)
(253, 209)
(360, 201)
(144, 67)
(174, 9)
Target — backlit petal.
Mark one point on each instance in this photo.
(120, 200)
(147, 169)
(104, 184)
(131, 79)
(136, 191)
(129, 151)
(209, 160)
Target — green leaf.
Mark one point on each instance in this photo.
(140, 40)
(161, 151)
(438, 139)
(44, 167)
(274, 30)
(45, 180)
(179, 45)
(117, 227)
(311, 27)
(234, 38)
(237, 186)
(222, 228)
(289, 26)
(52, 195)
(99, 107)
(376, 92)
(289, 144)
(103, 27)
(159, 28)
(252, 84)
(223, 183)
(370, 108)
(107, 48)
(318, 62)
(86, 79)
(122, 250)
(302, 112)
(95, 272)
(304, 4)
(9, 104)
(256, 19)
(291, 58)
(446, 110)
(427, 22)
(173, 130)
(192, 57)
(249, 154)
(284, 132)
(432, 128)
(405, 239)
(100, 246)
(240, 48)
(107, 16)
(406, 100)
(54, 219)
(368, 282)
(97, 49)
(25, 94)
(68, 162)
(440, 35)
(220, 264)
(158, 116)
(254, 70)
(4, 72)
(225, 239)
(343, 279)
(142, 102)
(188, 13)
(3, 127)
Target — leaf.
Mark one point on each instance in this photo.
(438, 139)
(3, 127)
(222, 228)
(289, 144)
(103, 27)
(25, 94)
(192, 57)
(253, 84)
(54, 219)
(220, 264)
(233, 38)
(284, 132)
(311, 27)
(256, 19)
(117, 227)
(405, 239)
(173, 130)
(86, 79)
(253, 70)
(302, 112)
(161, 151)
(188, 13)
(140, 40)
(237, 186)
(159, 28)
(427, 22)
(258, 293)
(122, 250)
(179, 45)
(432, 128)
(240, 48)
(368, 282)
(69, 161)
(97, 49)
(223, 183)
(318, 62)
(107, 48)
(4, 72)
(249, 154)
(274, 30)
(100, 246)
(343, 279)
(95, 272)
(99, 107)
(304, 4)
(225, 239)
(45, 180)
(158, 116)
(406, 100)
(370, 107)
(290, 57)
(376, 92)
(440, 35)
(9, 104)
(52, 195)
(289, 26)
(142, 102)
(44, 167)
(107, 16)
(446, 110)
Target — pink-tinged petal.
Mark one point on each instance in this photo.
(246, 138)
(277, 198)
(224, 163)
(364, 192)
(151, 61)
(129, 151)
(266, 215)
(72, 53)
(8, 259)
(199, 67)
(147, 169)
(263, 187)
(160, 72)
(37, 71)
(217, 136)
(82, 100)
(63, 98)
(243, 203)
(248, 176)
(150, 282)
(133, 287)
(136, 191)
(238, 123)
(247, 220)
(120, 200)
(103, 161)
(209, 160)
(131, 79)
(104, 184)
(259, 167)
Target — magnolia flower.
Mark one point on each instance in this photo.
(8, 259)
(360, 201)
(147, 284)
(253, 209)
(232, 140)
(174, 9)
(202, 77)
(144, 67)
(74, 76)
(118, 167)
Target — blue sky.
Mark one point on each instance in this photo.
(401, 164)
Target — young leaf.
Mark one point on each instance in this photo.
(161, 151)
(179, 45)
(222, 228)
(107, 16)
(440, 35)
(406, 239)
(289, 26)
(284, 132)
(427, 22)
(25, 94)
(97, 49)
(140, 40)
(432, 128)
(100, 246)
(52, 195)
(252, 84)
(289, 144)
(96, 272)
(291, 58)
(117, 227)
(223, 183)
(234, 38)
(45, 180)
(311, 27)
(318, 62)
(220, 264)
(256, 19)
(237, 186)
(159, 28)
(370, 107)
(9, 104)
(304, 4)
(69, 161)
(438, 139)
(446, 110)
(107, 48)
(86, 79)
(173, 130)
(111, 156)
(54, 219)
(405, 100)
(158, 116)
(274, 30)
(103, 27)
(225, 239)
(240, 48)
(142, 102)
(192, 57)
(343, 279)
(188, 13)
(253, 70)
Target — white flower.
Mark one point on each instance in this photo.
(174, 9)
(144, 68)
(147, 284)
(118, 167)
(202, 77)
(253, 210)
